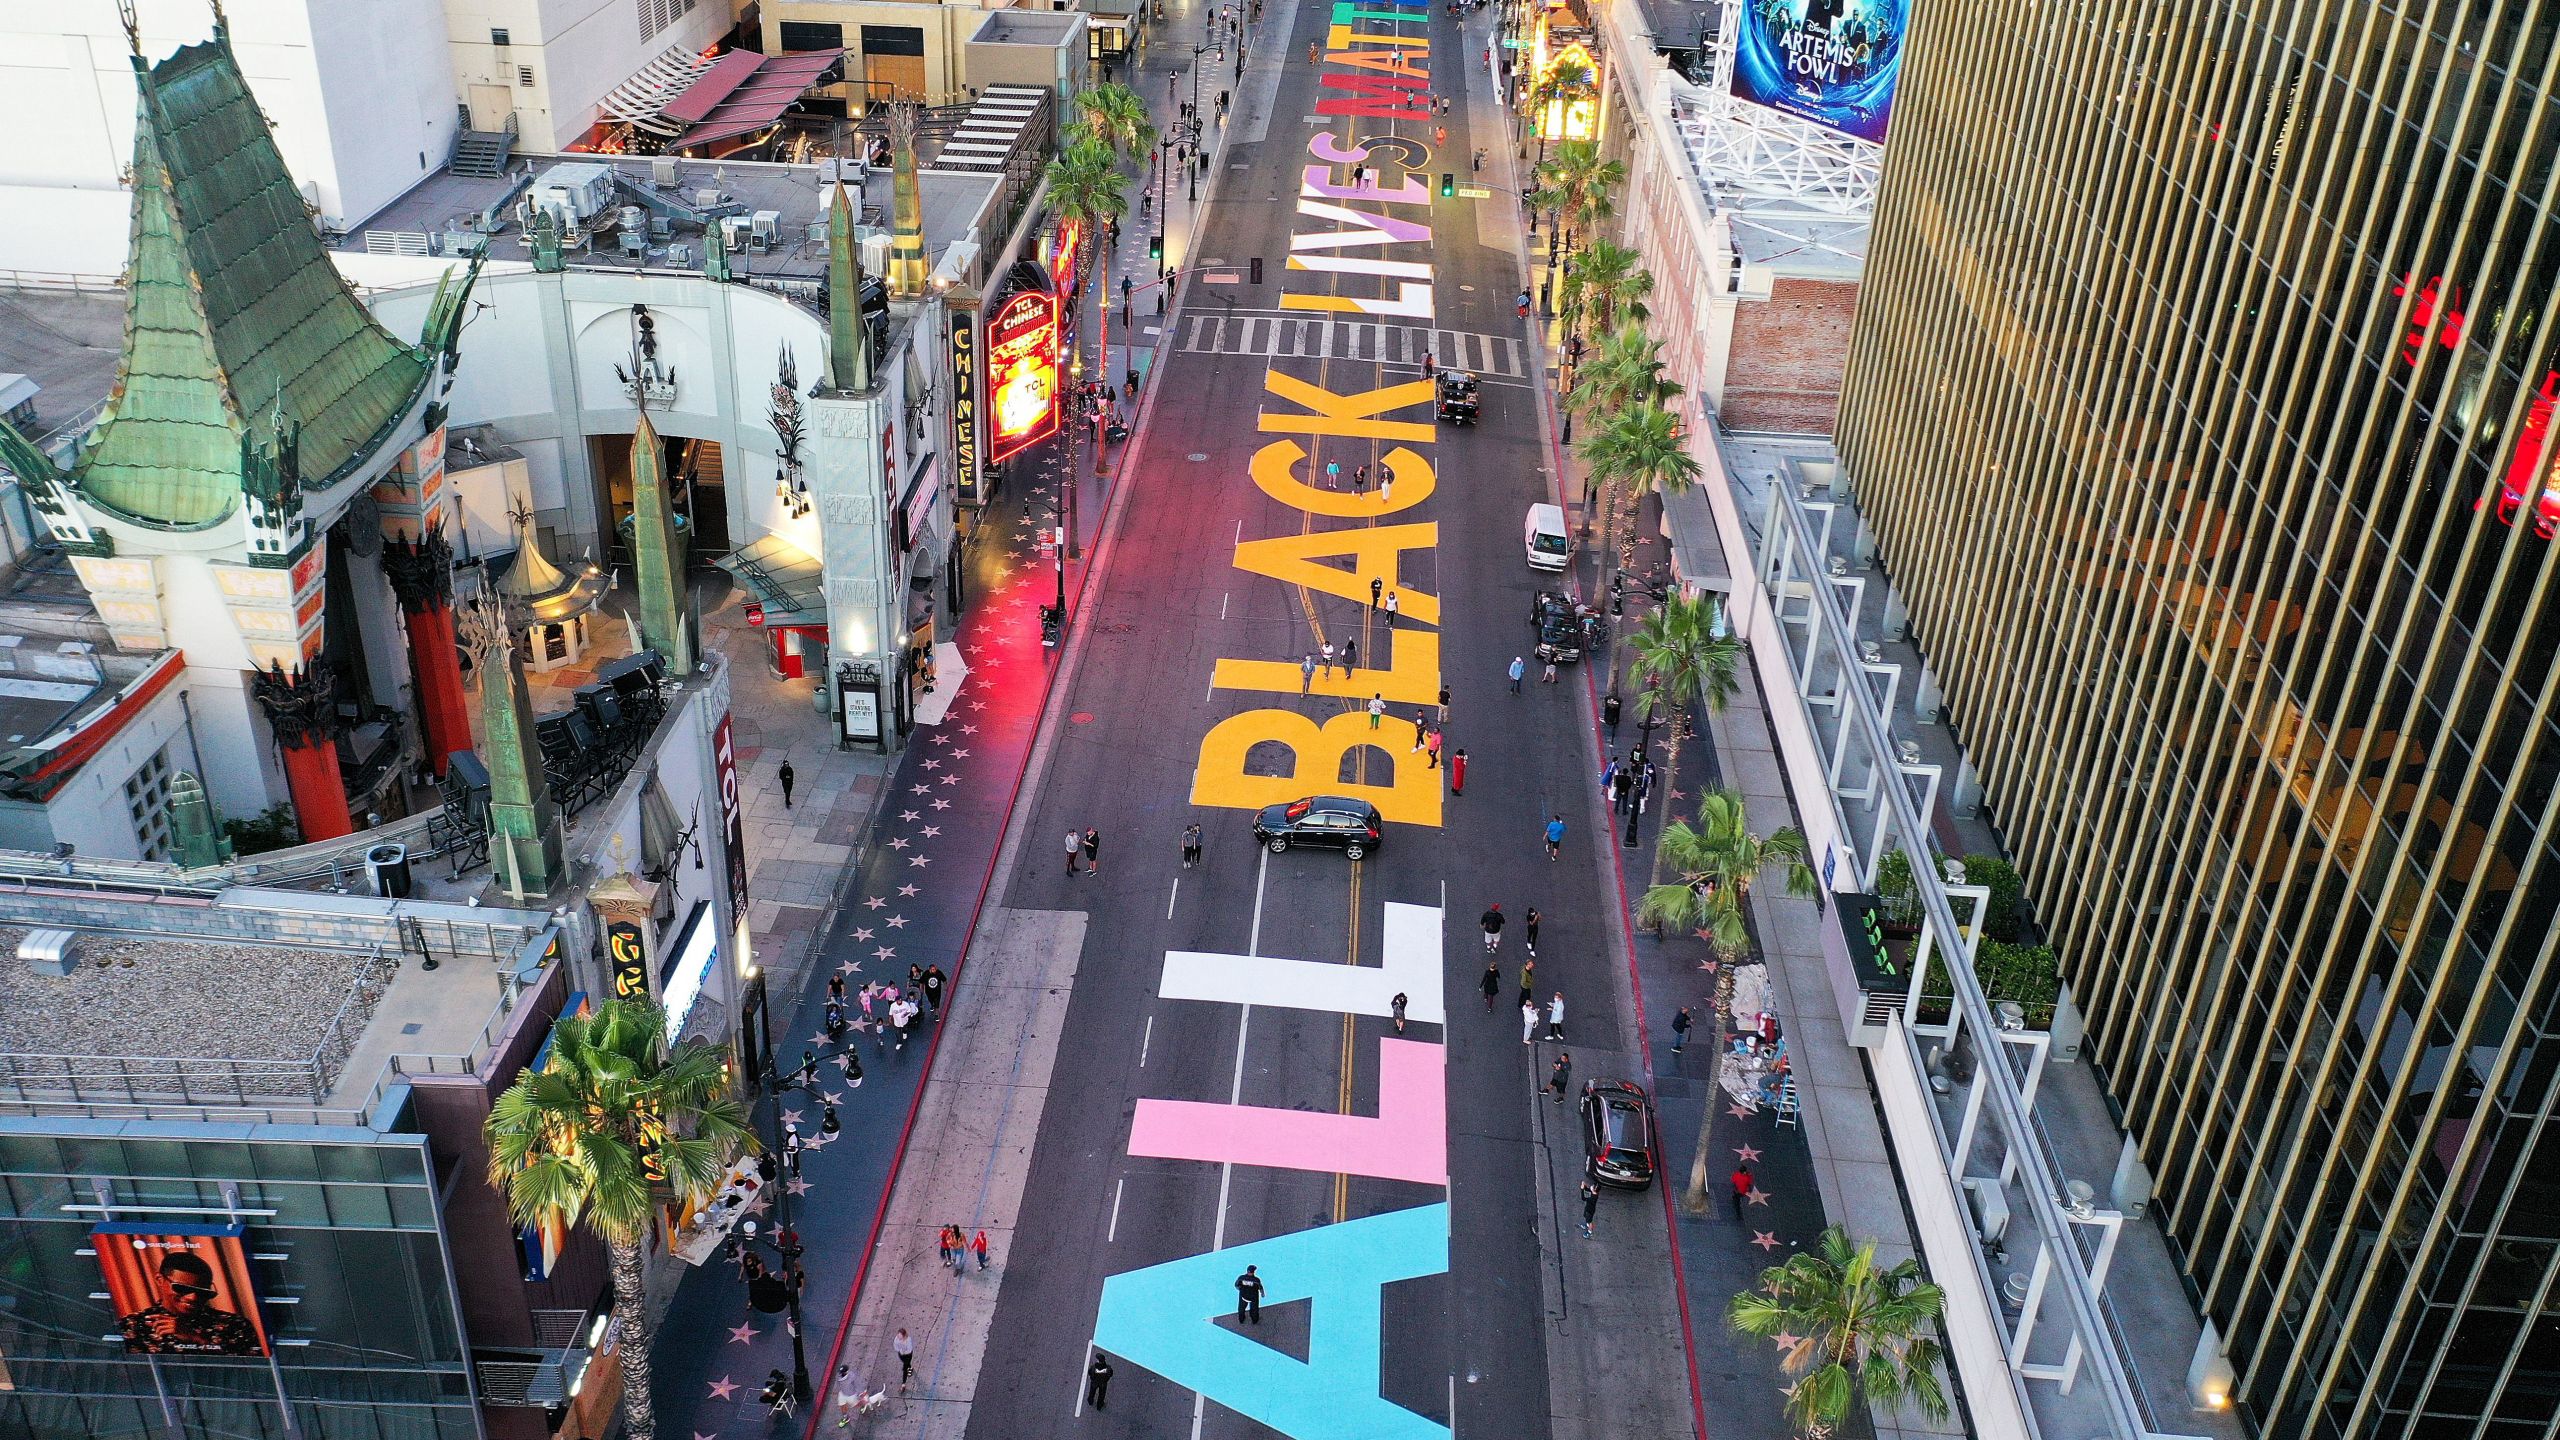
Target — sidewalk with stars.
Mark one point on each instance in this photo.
(921, 876)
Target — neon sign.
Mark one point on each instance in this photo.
(1022, 373)
(1066, 256)
(2422, 313)
(2531, 468)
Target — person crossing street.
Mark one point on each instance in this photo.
(1491, 920)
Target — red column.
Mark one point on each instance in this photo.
(319, 794)
(437, 668)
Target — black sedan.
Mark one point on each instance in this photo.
(1352, 826)
(1617, 1133)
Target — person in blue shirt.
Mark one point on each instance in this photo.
(1555, 836)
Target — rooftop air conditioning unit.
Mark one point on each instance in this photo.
(664, 172)
(48, 952)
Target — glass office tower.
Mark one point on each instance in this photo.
(2201, 399)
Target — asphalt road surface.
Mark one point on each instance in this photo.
(1115, 1192)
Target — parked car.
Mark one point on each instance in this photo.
(1617, 1133)
(1559, 626)
(1353, 826)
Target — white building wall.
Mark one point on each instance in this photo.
(577, 51)
(357, 92)
(90, 811)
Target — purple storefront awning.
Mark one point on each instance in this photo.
(749, 96)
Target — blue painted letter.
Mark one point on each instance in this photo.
(1163, 1318)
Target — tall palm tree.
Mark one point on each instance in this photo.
(1566, 81)
(1847, 1327)
(1582, 185)
(1713, 863)
(595, 1138)
(1623, 370)
(1115, 115)
(1086, 186)
(1632, 453)
(1607, 281)
(1681, 661)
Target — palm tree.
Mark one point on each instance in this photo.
(1680, 659)
(1714, 862)
(598, 1134)
(1115, 115)
(1623, 370)
(1608, 280)
(1085, 186)
(1848, 1326)
(1581, 184)
(1566, 81)
(1632, 453)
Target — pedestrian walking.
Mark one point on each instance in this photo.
(902, 1016)
(1555, 838)
(1393, 607)
(1328, 659)
(1377, 710)
(1387, 500)
(1359, 479)
(1429, 366)
(904, 1347)
(1306, 673)
(1491, 921)
(835, 1022)
(1590, 1205)
(934, 981)
(1479, 162)
(1529, 983)
(786, 777)
(1549, 678)
(1431, 748)
(1190, 845)
(978, 1247)
(915, 978)
(1397, 1005)
(1521, 305)
(1444, 104)
(1377, 591)
(1528, 1022)
(1418, 729)
(835, 988)
(1333, 474)
(1458, 773)
(1622, 788)
(791, 1143)
(1560, 1075)
(1444, 704)
(1529, 925)
(1249, 1296)
(1519, 668)
(1555, 1016)
(948, 1237)
(1075, 846)
(1680, 1031)
(1439, 137)
(1742, 1188)
(1097, 1376)
(1492, 984)
(1350, 656)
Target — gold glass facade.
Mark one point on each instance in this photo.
(2201, 399)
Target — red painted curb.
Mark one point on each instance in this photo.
(1635, 977)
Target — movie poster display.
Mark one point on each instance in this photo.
(1022, 373)
(181, 1289)
(1833, 62)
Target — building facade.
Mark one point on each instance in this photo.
(2200, 398)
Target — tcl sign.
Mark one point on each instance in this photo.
(724, 759)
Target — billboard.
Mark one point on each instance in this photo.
(964, 405)
(181, 1289)
(1832, 62)
(1022, 373)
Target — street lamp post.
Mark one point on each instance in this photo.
(788, 1246)
(1644, 750)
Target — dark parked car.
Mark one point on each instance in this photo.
(1559, 628)
(1353, 826)
(1617, 1133)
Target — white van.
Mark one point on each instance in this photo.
(1543, 536)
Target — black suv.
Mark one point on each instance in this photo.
(1559, 628)
(1353, 825)
(1617, 1133)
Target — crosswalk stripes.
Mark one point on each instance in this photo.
(1282, 336)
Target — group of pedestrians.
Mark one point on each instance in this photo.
(889, 1011)
(1628, 781)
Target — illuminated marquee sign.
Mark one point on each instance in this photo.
(1833, 62)
(1066, 256)
(1022, 373)
(964, 406)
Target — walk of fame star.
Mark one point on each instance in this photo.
(1764, 1239)
(723, 1388)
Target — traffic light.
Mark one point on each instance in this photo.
(1448, 184)
(1155, 245)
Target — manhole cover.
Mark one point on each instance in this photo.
(1082, 717)
(1197, 457)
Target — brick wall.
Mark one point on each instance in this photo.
(1789, 352)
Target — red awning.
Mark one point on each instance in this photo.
(755, 97)
(713, 86)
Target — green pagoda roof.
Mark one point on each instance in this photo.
(237, 327)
